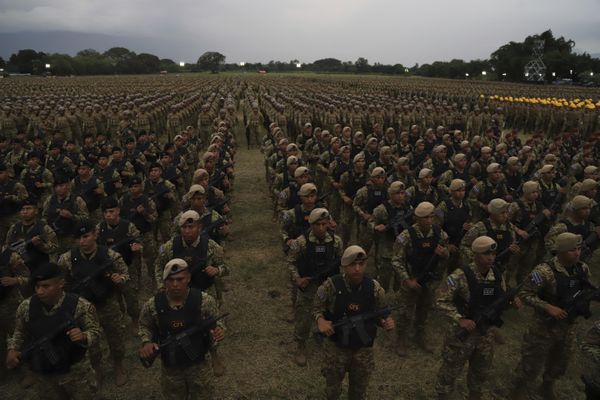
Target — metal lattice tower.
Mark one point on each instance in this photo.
(535, 69)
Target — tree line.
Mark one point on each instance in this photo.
(506, 63)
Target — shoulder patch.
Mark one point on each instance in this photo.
(321, 293)
(438, 212)
(536, 278)
(400, 239)
(475, 189)
(161, 249)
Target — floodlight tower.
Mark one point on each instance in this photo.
(535, 69)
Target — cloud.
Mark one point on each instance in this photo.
(379, 30)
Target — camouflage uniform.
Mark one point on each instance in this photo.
(109, 313)
(359, 363)
(194, 382)
(11, 194)
(361, 208)
(49, 244)
(306, 296)
(548, 344)
(79, 211)
(78, 382)
(348, 216)
(414, 304)
(477, 349)
(479, 229)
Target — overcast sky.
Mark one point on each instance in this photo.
(383, 31)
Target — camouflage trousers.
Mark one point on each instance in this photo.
(5, 223)
(547, 348)
(149, 252)
(304, 316)
(477, 350)
(415, 307)
(347, 222)
(192, 383)
(365, 235)
(334, 204)
(520, 265)
(337, 362)
(8, 308)
(385, 272)
(109, 316)
(65, 243)
(162, 227)
(77, 384)
(131, 288)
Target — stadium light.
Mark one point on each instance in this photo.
(298, 65)
(406, 70)
(554, 74)
(1, 69)
(182, 63)
(242, 64)
(591, 74)
(526, 74)
(483, 73)
(47, 66)
(570, 72)
(504, 74)
(467, 74)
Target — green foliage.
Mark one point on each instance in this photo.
(210, 61)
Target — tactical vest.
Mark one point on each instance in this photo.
(319, 259)
(491, 192)
(582, 229)
(392, 213)
(528, 215)
(371, 158)
(349, 303)
(31, 255)
(354, 183)
(548, 194)
(423, 249)
(421, 196)
(99, 289)
(170, 174)
(293, 199)
(29, 180)
(66, 352)
(86, 192)
(196, 257)
(454, 220)
(172, 322)
(502, 238)
(110, 236)
(62, 226)
(513, 182)
(8, 207)
(212, 201)
(5, 271)
(162, 203)
(566, 285)
(128, 211)
(340, 168)
(301, 224)
(375, 196)
(481, 294)
(439, 167)
(106, 175)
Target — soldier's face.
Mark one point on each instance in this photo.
(485, 260)
(49, 290)
(319, 228)
(425, 223)
(379, 180)
(398, 197)
(84, 171)
(356, 271)
(87, 241)
(62, 189)
(458, 194)
(177, 284)
(570, 257)
(197, 202)
(190, 231)
(310, 200)
(499, 218)
(582, 213)
(3, 175)
(111, 215)
(532, 196)
(28, 212)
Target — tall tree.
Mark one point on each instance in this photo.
(211, 61)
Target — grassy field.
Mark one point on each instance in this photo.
(258, 342)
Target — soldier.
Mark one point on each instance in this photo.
(576, 221)
(164, 195)
(31, 237)
(123, 237)
(498, 227)
(416, 261)
(140, 209)
(37, 317)
(591, 370)
(314, 257)
(350, 182)
(468, 291)
(95, 272)
(423, 189)
(12, 194)
(205, 256)
(185, 373)
(90, 189)
(549, 342)
(389, 220)
(36, 179)
(367, 198)
(195, 199)
(486, 190)
(289, 196)
(350, 293)
(63, 211)
(454, 216)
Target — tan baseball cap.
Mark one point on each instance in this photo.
(493, 167)
(497, 206)
(173, 267)
(377, 172)
(546, 168)
(300, 171)
(567, 241)
(424, 209)
(396, 187)
(578, 202)
(483, 244)
(188, 217)
(196, 189)
(307, 189)
(531, 186)
(317, 215)
(424, 173)
(352, 254)
(457, 184)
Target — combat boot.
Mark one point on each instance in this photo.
(121, 376)
(401, 346)
(546, 390)
(423, 342)
(217, 363)
(300, 355)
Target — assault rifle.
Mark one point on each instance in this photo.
(427, 273)
(492, 313)
(182, 339)
(98, 183)
(44, 343)
(589, 245)
(20, 246)
(356, 322)
(579, 303)
(399, 221)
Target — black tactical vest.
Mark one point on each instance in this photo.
(29, 180)
(340, 168)
(99, 289)
(421, 196)
(106, 176)
(151, 189)
(502, 237)
(581, 229)
(491, 192)
(293, 199)
(172, 322)
(196, 257)
(375, 196)
(8, 207)
(349, 303)
(86, 192)
(354, 183)
(454, 220)
(5, 271)
(422, 249)
(317, 259)
(548, 194)
(392, 213)
(481, 294)
(128, 211)
(62, 226)
(66, 352)
(566, 285)
(300, 225)
(109, 236)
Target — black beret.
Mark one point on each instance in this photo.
(109, 202)
(3, 167)
(84, 163)
(136, 180)
(29, 201)
(34, 154)
(156, 165)
(60, 179)
(46, 271)
(83, 227)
